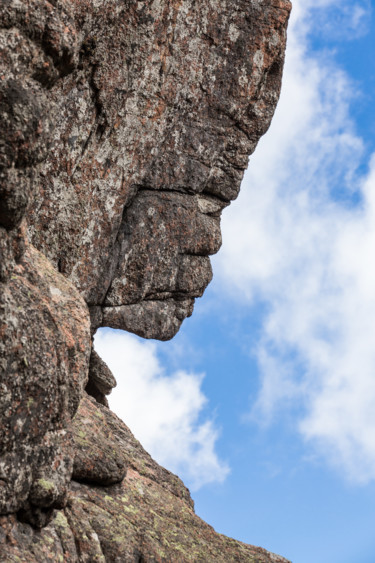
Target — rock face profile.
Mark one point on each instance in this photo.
(126, 126)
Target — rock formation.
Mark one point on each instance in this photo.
(126, 127)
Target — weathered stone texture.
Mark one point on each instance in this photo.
(101, 380)
(125, 130)
(164, 104)
(97, 457)
(148, 516)
(44, 350)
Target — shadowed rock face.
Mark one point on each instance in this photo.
(126, 128)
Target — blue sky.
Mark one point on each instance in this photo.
(264, 403)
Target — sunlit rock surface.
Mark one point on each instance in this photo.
(126, 127)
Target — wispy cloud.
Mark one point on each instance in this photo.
(337, 20)
(301, 240)
(163, 410)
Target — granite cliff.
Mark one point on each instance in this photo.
(126, 127)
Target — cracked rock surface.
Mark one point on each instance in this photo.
(126, 126)
(147, 516)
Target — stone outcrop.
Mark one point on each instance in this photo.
(147, 516)
(126, 127)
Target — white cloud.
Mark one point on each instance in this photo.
(338, 20)
(163, 411)
(295, 242)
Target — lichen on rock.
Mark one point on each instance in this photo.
(126, 128)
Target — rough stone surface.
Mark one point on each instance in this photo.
(148, 517)
(101, 381)
(44, 351)
(97, 457)
(159, 108)
(125, 130)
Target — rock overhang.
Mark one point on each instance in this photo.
(126, 130)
